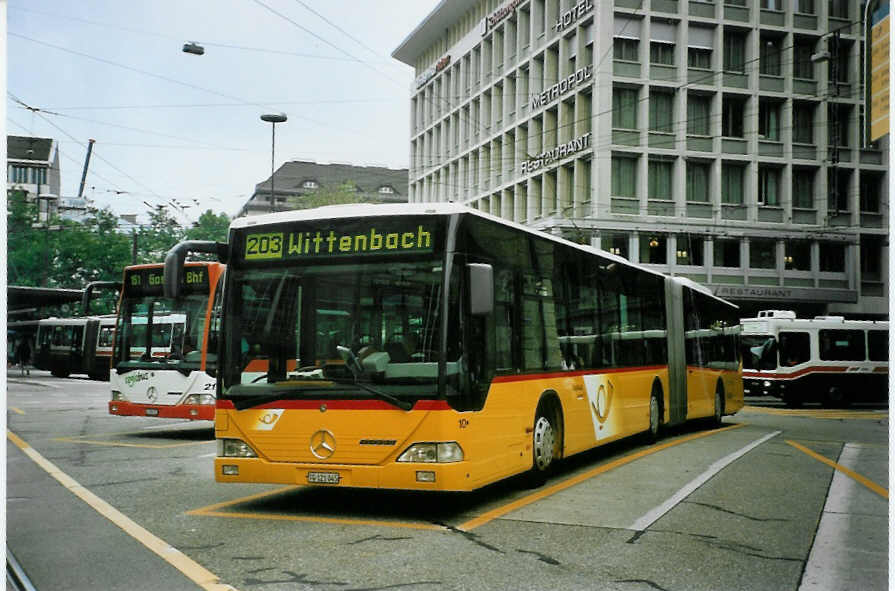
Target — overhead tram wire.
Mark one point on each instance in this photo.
(173, 38)
(189, 85)
(192, 143)
(66, 155)
(95, 154)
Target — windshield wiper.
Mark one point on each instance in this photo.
(251, 400)
(385, 396)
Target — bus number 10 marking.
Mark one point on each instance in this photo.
(264, 246)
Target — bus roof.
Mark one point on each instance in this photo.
(359, 210)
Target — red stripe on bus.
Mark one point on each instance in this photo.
(337, 405)
(799, 373)
(573, 374)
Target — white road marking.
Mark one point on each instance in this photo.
(211, 455)
(850, 546)
(655, 514)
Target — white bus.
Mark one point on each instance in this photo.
(161, 366)
(824, 359)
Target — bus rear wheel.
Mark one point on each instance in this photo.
(835, 398)
(718, 414)
(655, 418)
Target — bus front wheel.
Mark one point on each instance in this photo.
(545, 444)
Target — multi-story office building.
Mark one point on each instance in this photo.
(295, 179)
(717, 139)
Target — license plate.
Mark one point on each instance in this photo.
(151, 412)
(323, 477)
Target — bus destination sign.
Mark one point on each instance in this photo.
(373, 238)
(149, 281)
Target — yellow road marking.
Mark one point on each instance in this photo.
(190, 568)
(865, 481)
(17, 410)
(213, 511)
(122, 444)
(819, 413)
(570, 482)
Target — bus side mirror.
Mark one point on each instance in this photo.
(481, 289)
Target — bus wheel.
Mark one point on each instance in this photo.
(719, 407)
(655, 418)
(544, 444)
(835, 398)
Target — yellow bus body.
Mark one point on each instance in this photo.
(597, 408)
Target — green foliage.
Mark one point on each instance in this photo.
(210, 226)
(346, 193)
(71, 254)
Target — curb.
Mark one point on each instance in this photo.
(33, 383)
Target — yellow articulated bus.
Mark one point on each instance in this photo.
(434, 347)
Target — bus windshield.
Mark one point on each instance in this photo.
(174, 340)
(373, 328)
(759, 351)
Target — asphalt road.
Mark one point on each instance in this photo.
(777, 499)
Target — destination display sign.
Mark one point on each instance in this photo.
(340, 238)
(149, 281)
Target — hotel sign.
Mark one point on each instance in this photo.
(573, 15)
(573, 80)
(578, 144)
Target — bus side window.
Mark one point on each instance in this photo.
(878, 345)
(842, 345)
(794, 348)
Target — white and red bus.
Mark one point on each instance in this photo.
(161, 363)
(825, 359)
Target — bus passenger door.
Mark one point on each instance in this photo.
(88, 355)
(677, 359)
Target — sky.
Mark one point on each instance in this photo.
(185, 130)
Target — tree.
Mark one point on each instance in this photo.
(155, 239)
(25, 247)
(346, 193)
(210, 226)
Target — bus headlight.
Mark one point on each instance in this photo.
(766, 383)
(199, 399)
(235, 448)
(116, 395)
(441, 453)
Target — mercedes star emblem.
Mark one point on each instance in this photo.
(323, 444)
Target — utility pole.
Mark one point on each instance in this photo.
(90, 143)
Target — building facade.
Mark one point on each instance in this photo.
(720, 140)
(296, 179)
(32, 165)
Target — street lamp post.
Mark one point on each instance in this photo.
(273, 119)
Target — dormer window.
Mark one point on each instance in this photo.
(386, 190)
(310, 185)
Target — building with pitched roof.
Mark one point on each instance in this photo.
(374, 184)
